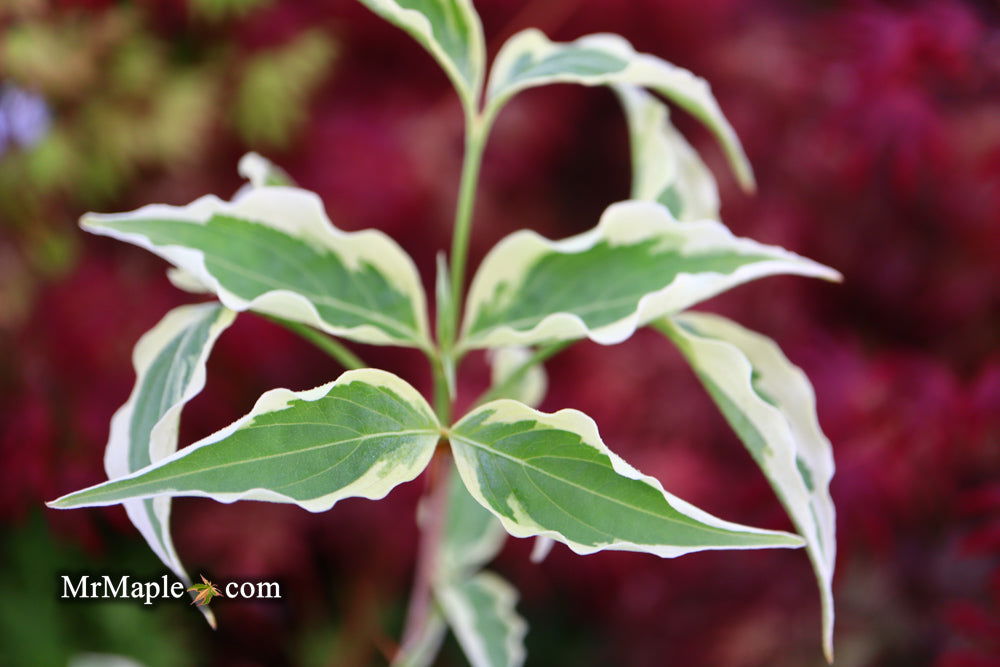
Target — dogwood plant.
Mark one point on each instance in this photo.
(504, 467)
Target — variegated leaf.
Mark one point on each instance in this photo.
(185, 282)
(169, 363)
(273, 250)
(550, 474)
(480, 610)
(359, 436)
(530, 59)
(530, 389)
(665, 167)
(259, 172)
(770, 404)
(638, 264)
(450, 30)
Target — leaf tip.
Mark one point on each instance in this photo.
(783, 540)
(823, 272)
(61, 503)
(828, 274)
(88, 221)
(746, 179)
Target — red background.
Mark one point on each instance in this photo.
(874, 131)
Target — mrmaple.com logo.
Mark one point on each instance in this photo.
(124, 587)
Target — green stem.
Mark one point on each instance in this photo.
(442, 396)
(477, 128)
(502, 389)
(442, 361)
(347, 359)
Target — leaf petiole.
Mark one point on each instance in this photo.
(335, 349)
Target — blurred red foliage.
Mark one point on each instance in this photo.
(874, 129)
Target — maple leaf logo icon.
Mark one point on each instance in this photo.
(205, 592)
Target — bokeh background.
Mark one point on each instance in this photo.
(874, 129)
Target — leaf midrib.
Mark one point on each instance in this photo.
(376, 316)
(485, 447)
(586, 309)
(370, 436)
(319, 298)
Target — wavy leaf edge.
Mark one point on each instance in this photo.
(371, 485)
(621, 222)
(507, 410)
(270, 206)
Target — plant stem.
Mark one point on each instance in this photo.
(442, 397)
(335, 349)
(433, 514)
(540, 355)
(477, 128)
(431, 518)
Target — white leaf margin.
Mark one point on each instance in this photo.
(462, 615)
(373, 485)
(574, 421)
(623, 222)
(541, 549)
(298, 213)
(185, 282)
(530, 390)
(256, 169)
(727, 354)
(687, 90)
